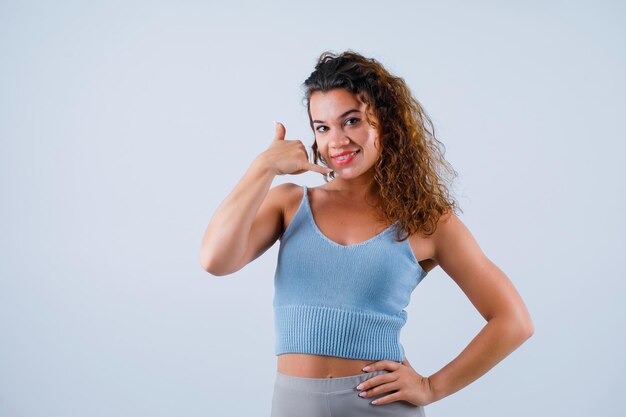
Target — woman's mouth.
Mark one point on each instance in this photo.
(345, 159)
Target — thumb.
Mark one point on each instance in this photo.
(280, 131)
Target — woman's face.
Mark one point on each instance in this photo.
(340, 126)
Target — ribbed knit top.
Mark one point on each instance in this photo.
(341, 300)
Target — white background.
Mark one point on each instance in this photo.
(123, 125)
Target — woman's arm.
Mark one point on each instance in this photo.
(225, 241)
(250, 219)
(494, 296)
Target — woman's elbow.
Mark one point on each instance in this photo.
(529, 328)
(209, 266)
(524, 325)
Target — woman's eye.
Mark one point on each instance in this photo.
(356, 120)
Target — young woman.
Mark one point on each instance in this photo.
(352, 250)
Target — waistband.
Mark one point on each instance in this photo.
(324, 384)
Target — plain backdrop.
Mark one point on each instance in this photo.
(123, 125)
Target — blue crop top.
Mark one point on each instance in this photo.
(341, 300)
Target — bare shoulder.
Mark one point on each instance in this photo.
(450, 231)
(285, 194)
(456, 249)
(283, 191)
(289, 188)
(425, 247)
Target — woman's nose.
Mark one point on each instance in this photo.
(339, 140)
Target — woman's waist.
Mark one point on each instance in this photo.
(319, 366)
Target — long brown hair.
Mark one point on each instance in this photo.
(411, 175)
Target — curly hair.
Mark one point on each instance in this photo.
(411, 174)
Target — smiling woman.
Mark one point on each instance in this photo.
(353, 250)
(350, 143)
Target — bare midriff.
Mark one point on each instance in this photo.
(319, 366)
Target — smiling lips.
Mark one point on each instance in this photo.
(345, 157)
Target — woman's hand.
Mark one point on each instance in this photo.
(403, 381)
(289, 156)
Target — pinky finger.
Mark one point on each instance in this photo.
(319, 168)
(387, 399)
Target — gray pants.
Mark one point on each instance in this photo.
(333, 397)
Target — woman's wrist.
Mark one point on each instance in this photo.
(262, 167)
(437, 391)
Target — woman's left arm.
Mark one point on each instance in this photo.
(494, 296)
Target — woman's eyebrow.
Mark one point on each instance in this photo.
(342, 115)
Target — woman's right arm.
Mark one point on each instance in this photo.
(250, 219)
(225, 240)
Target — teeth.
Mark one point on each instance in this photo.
(342, 157)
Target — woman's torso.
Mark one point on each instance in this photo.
(346, 223)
